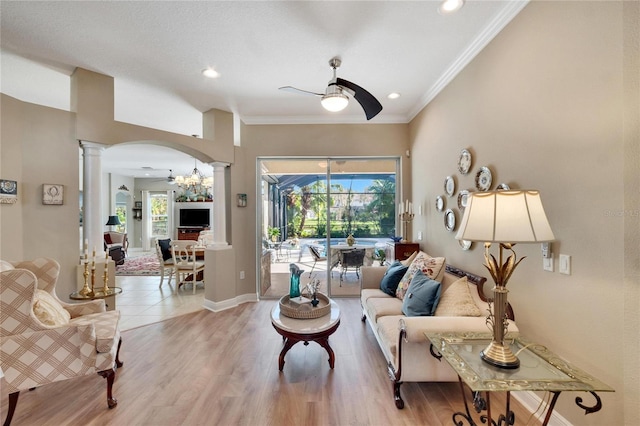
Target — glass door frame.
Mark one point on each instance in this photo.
(261, 210)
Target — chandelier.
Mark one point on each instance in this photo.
(196, 183)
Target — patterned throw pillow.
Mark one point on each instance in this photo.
(48, 310)
(456, 301)
(432, 267)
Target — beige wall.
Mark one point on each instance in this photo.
(37, 147)
(291, 141)
(543, 107)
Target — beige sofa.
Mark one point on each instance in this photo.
(409, 356)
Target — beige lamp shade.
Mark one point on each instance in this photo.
(506, 217)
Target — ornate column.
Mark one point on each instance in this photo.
(92, 196)
(219, 205)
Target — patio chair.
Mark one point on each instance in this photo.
(351, 258)
(317, 257)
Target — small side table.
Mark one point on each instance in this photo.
(540, 370)
(109, 297)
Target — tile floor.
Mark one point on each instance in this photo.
(142, 302)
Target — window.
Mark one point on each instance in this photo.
(159, 214)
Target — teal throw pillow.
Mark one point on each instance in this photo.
(422, 296)
(392, 277)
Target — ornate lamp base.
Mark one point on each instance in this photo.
(499, 356)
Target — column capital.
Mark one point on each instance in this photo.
(218, 164)
(93, 145)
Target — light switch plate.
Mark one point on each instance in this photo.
(419, 235)
(564, 266)
(547, 264)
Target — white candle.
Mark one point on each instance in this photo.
(406, 209)
(410, 208)
(400, 208)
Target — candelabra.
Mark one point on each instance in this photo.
(86, 290)
(405, 217)
(105, 288)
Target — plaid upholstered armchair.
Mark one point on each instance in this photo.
(45, 340)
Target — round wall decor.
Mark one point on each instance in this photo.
(464, 161)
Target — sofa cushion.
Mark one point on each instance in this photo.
(392, 277)
(383, 306)
(165, 248)
(456, 301)
(48, 310)
(432, 267)
(422, 296)
(367, 293)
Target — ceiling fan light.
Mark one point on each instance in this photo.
(334, 102)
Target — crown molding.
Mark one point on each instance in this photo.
(485, 36)
(314, 119)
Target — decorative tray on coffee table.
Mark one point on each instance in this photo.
(304, 310)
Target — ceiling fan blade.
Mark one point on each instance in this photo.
(369, 103)
(299, 91)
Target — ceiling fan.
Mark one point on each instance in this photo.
(171, 180)
(334, 98)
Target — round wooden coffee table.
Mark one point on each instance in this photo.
(306, 330)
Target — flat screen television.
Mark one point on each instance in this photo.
(194, 217)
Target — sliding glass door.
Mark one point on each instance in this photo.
(327, 216)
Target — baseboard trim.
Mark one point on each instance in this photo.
(230, 303)
(531, 401)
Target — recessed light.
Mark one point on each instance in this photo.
(450, 6)
(210, 72)
(394, 95)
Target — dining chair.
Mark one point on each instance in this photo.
(165, 258)
(186, 266)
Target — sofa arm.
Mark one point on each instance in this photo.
(372, 275)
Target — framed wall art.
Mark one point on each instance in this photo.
(8, 191)
(242, 200)
(52, 194)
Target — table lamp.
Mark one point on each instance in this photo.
(507, 218)
(113, 221)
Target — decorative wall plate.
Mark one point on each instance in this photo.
(465, 244)
(8, 187)
(439, 203)
(463, 199)
(483, 179)
(464, 162)
(449, 220)
(503, 187)
(449, 186)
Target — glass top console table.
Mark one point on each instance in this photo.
(540, 370)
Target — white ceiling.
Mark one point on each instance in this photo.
(156, 51)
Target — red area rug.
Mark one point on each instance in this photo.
(142, 265)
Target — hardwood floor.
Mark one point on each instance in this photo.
(222, 369)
